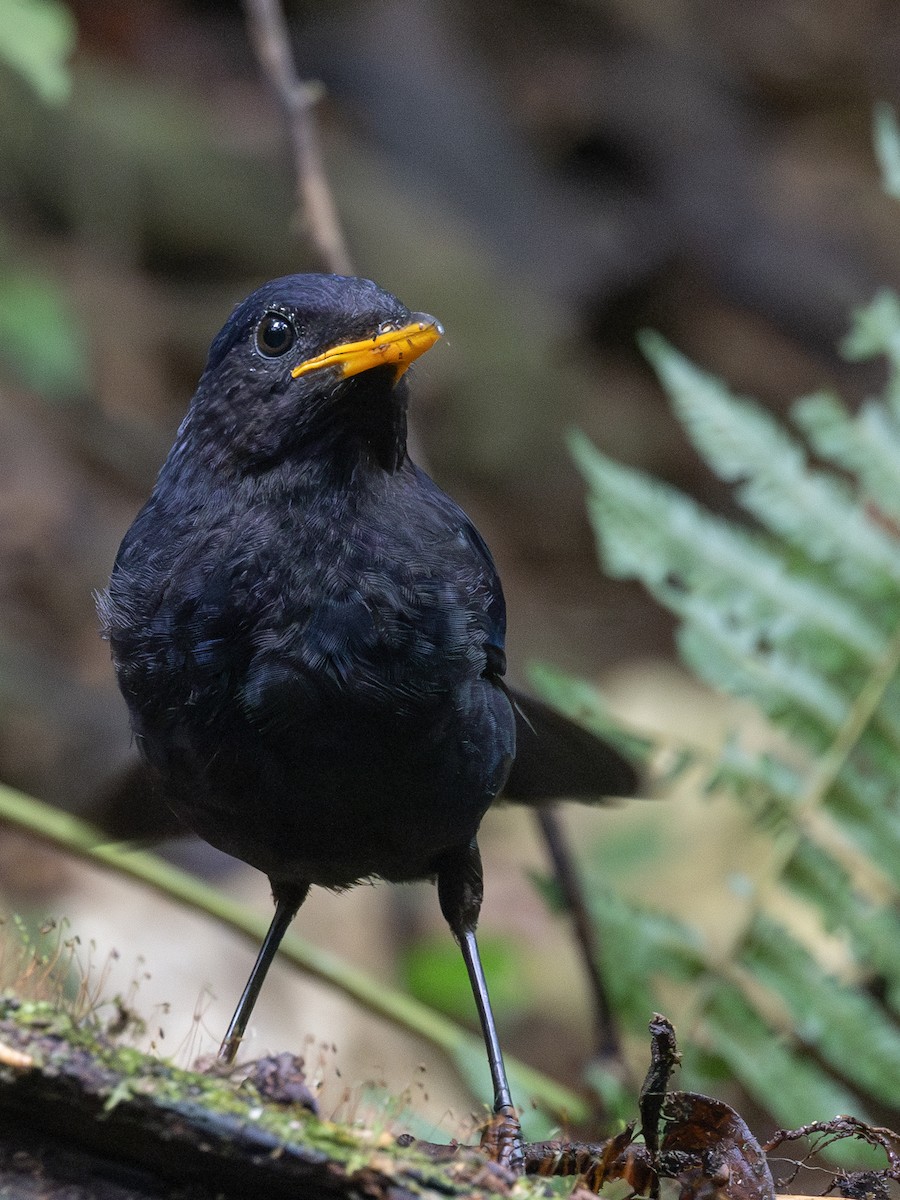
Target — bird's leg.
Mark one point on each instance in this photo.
(460, 890)
(287, 900)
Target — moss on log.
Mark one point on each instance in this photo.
(81, 1116)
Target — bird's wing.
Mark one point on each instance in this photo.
(481, 570)
(496, 605)
(554, 756)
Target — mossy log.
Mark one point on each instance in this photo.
(81, 1116)
(85, 1118)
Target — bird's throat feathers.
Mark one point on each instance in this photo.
(279, 439)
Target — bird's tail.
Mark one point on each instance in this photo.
(557, 758)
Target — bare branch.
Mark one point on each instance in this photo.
(269, 36)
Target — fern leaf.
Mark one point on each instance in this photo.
(886, 138)
(638, 944)
(866, 807)
(762, 780)
(867, 445)
(731, 658)
(800, 617)
(813, 510)
(871, 925)
(876, 331)
(783, 1080)
(839, 1023)
(862, 809)
(649, 531)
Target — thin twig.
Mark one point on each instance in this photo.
(269, 36)
(608, 1042)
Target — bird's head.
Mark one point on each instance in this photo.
(310, 365)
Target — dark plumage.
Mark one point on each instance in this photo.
(309, 633)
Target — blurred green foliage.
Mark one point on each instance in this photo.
(887, 148)
(36, 39)
(433, 972)
(40, 339)
(798, 613)
(43, 345)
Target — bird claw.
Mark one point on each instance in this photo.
(501, 1140)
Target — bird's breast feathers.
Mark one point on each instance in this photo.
(302, 611)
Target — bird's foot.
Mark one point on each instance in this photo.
(501, 1139)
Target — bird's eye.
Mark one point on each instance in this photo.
(274, 335)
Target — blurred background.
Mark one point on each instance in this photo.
(547, 178)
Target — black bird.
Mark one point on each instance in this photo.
(309, 633)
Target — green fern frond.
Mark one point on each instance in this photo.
(775, 1072)
(796, 611)
(867, 445)
(736, 660)
(638, 944)
(886, 136)
(652, 532)
(866, 807)
(872, 928)
(800, 616)
(811, 509)
(875, 330)
(837, 1022)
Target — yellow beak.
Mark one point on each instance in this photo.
(397, 346)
